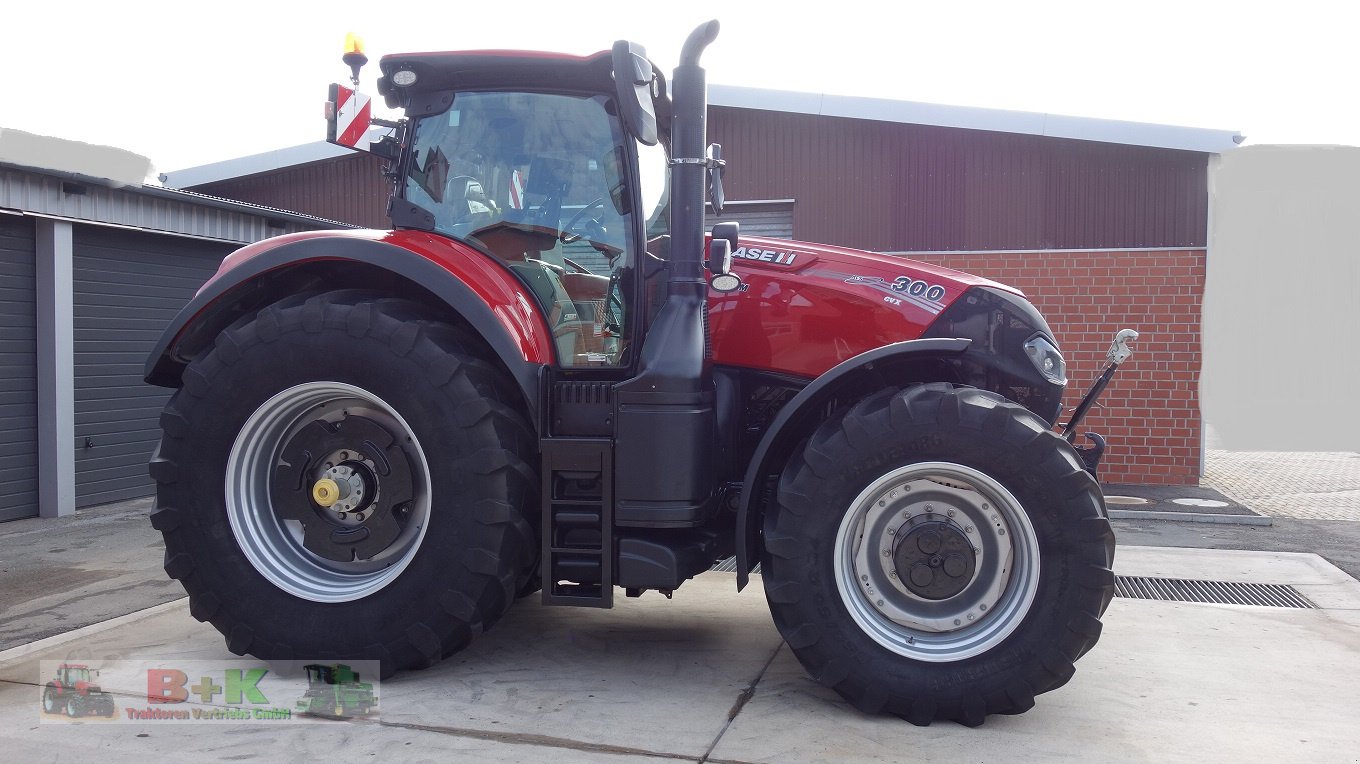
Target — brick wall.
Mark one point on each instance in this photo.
(1151, 410)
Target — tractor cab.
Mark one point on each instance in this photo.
(555, 165)
(73, 675)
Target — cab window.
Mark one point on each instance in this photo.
(539, 181)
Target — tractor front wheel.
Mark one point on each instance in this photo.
(938, 553)
(343, 478)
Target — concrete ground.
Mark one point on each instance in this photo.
(706, 677)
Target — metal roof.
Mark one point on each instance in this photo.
(258, 163)
(824, 104)
(78, 197)
(972, 118)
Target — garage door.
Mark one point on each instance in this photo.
(18, 371)
(128, 286)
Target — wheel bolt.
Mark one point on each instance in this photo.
(968, 529)
(970, 616)
(863, 578)
(951, 513)
(892, 574)
(957, 622)
(880, 603)
(982, 607)
(984, 506)
(1000, 531)
(892, 531)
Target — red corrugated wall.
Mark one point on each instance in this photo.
(1150, 411)
(892, 186)
(349, 189)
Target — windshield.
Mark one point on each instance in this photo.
(538, 180)
(531, 163)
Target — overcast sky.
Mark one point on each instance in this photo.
(191, 83)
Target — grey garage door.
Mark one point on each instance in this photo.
(128, 286)
(18, 371)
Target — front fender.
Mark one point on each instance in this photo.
(797, 414)
(484, 294)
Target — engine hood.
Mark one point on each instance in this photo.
(804, 307)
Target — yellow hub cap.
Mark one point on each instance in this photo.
(325, 492)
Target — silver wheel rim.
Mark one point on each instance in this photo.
(274, 545)
(1000, 588)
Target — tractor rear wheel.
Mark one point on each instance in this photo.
(938, 553)
(341, 477)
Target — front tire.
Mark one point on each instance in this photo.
(938, 553)
(341, 477)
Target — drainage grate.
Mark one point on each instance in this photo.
(730, 566)
(1174, 590)
(1216, 592)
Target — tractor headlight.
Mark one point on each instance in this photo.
(1046, 358)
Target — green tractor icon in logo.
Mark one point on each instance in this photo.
(335, 691)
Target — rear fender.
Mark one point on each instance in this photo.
(800, 415)
(487, 297)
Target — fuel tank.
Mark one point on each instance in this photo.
(803, 307)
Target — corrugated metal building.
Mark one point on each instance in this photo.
(91, 272)
(1102, 223)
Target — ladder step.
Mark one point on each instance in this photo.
(578, 523)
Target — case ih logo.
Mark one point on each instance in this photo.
(765, 255)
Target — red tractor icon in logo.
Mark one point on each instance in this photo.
(74, 693)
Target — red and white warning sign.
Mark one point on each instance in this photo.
(517, 190)
(349, 114)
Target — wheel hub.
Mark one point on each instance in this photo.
(935, 560)
(346, 482)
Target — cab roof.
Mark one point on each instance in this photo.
(485, 69)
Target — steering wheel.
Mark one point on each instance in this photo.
(568, 236)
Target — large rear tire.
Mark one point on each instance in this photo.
(938, 553)
(342, 478)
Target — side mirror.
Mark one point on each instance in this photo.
(720, 249)
(634, 81)
(730, 232)
(716, 168)
(720, 263)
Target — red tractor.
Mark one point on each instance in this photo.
(73, 692)
(547, 376)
